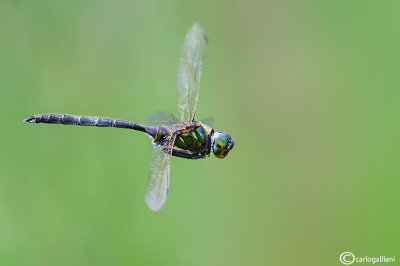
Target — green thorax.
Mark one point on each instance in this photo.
(193, 140)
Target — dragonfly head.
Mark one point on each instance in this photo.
(222, 144)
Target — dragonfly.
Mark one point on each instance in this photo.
(184, 137)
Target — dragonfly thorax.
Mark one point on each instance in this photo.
(193, 142)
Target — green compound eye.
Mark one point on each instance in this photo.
(223, 143)
(220, 144)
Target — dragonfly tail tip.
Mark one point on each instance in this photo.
(30, 119)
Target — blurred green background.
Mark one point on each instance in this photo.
(308, 89)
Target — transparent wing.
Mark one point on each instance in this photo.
(209, 121)
(161, 118)
(160, 163)
(189, 71)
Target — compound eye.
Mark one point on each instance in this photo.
(219, 145)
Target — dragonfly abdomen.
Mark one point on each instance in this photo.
(81, 120)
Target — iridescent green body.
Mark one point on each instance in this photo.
(193, 143)
(191, 140)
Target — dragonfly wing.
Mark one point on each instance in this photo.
(189, 71)
(209, 121)
(160, 163)
(161, 118)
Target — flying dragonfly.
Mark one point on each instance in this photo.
(185, 137)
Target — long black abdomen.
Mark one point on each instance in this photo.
(84, 121)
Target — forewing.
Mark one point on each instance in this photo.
(160, 163)
(161, 118)
(189, 71)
